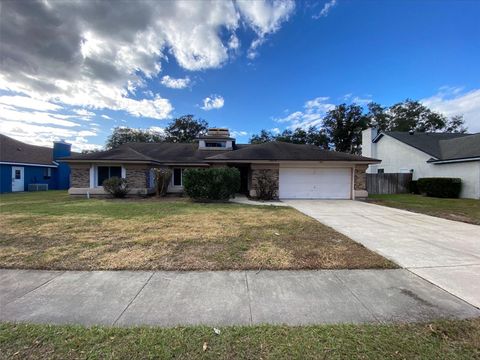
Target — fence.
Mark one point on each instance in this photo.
(395, 183)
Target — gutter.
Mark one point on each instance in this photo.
(439, 162)
(28, 164)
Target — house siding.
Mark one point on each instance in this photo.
(398, 157)
(32, 175)
(80, 175)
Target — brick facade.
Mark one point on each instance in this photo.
(256, 169)
(80, 175)
(360, 178)
(137, 176)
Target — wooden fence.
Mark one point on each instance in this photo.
(395, 183)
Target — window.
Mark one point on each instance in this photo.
(18, 174)
(216, 144)
(177, 177)
(47, 173)
(380, 171)
(106, 172)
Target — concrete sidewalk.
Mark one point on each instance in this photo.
(125, 298)
(444, 252)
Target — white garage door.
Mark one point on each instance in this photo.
(315, 183)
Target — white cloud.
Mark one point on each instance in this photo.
(28, 103)
(8, 113)
(265, 17)
(238, 133)
(213, 102)
(312, 114)
(84, 113)
(173, 83)
(275, 131)
(106, 117)
(454, 101)
(326, 9)
(97, 54)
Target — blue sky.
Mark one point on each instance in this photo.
(275, 66)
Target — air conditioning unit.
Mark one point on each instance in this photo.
(37, 187)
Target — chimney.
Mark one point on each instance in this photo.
(216, 139)
(368, 147)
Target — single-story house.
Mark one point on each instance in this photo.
(299, 171)
(24, 166)
(426, 155)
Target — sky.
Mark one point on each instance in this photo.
(75, 70)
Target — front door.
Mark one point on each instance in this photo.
(18, 178)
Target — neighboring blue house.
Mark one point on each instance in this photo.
(24, 166)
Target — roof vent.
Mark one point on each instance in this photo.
(411, 132)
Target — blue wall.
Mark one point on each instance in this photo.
(32, 174)
(60, 150)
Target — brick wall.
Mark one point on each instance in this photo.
(360, 178)
(137, 176)
(80, 175)
(257, 169)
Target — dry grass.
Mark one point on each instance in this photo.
(53, 231)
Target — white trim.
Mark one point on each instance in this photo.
(25, 164)
(94, 173)
(439, 162)
(21, 180)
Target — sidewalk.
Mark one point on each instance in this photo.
(220, 298)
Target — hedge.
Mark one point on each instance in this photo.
(116, 187)
(441, 187)
(211, 184)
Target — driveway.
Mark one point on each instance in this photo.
(444, 252)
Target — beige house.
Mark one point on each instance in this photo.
(299, 171)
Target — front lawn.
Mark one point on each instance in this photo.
(437, 340)
(51, 230)
(466, 210)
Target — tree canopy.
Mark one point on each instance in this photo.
(183, 129)
(342, 126)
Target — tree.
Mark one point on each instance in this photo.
(122, 135)
(378, 116)
(343, 126)
(263, 137)
(413, 115)
(185, 129)
(456, 124)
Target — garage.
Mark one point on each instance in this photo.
(315, 183)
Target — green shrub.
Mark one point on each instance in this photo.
(265, 186)
(211, 184)
(116, 187)
(441, 187)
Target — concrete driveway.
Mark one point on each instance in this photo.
(444, 252)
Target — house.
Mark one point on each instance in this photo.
(426, 155)
(24, 166)
(299, 171)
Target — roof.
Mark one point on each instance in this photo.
(441, 146)
(189, 153)
(282, 151)
(15, 151)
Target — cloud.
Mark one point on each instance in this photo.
(238, 133)
(312, 114)
(265, 17)
(106, 117)
(455, 101)
(84, 113)
(213, 102)
(175, 83)
(28, 103)
(98, 55)
(326, 9)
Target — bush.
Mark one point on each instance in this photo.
(413, 187)
(116, 187)
(440, 187)
(211, 184)
(162, 179)
(265, 187)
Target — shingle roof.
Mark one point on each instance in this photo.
(282, 151)
(189, 153)
(15, 151)
(441, 146)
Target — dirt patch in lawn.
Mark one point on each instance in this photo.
(173, 236)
